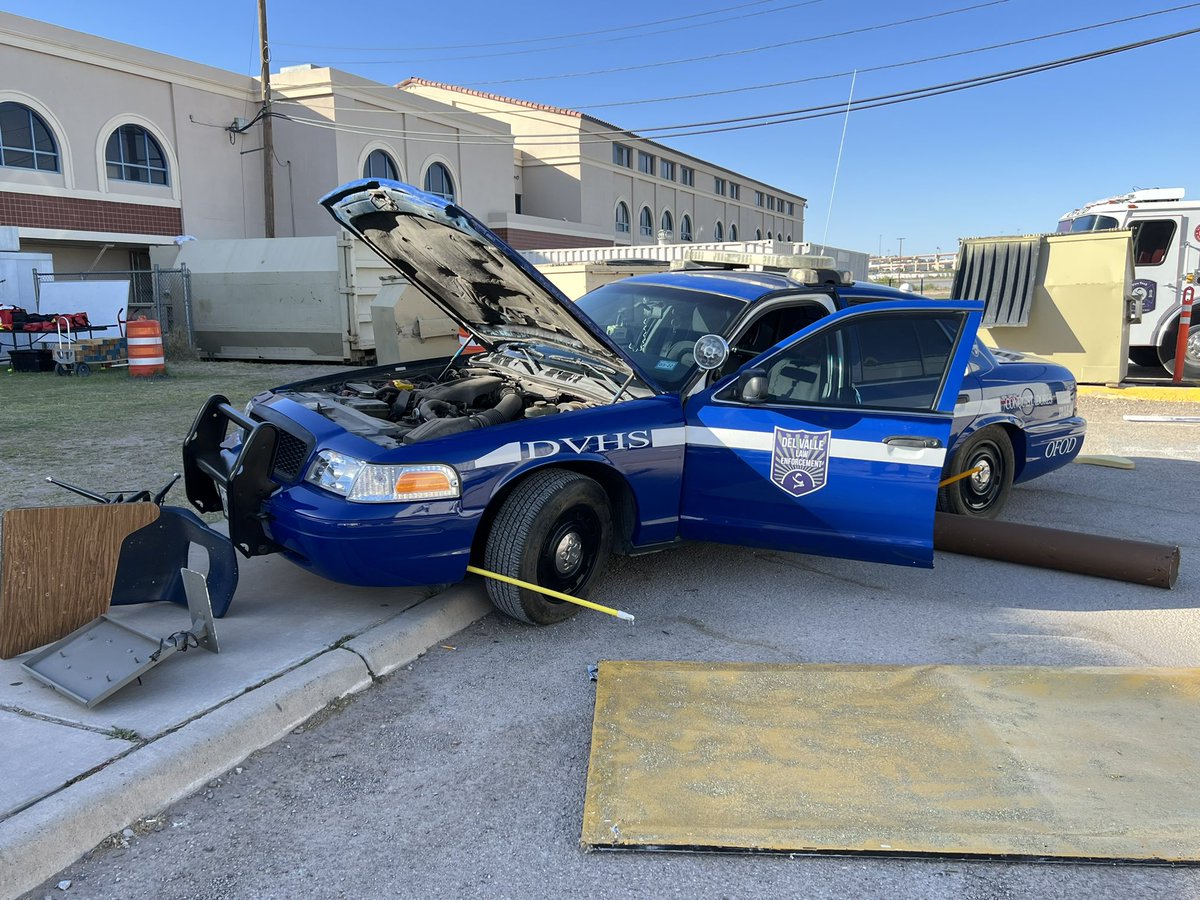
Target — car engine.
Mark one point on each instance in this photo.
(400, 407)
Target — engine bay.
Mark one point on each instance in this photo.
(398, 406)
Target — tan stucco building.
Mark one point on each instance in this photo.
(108, 149)
(613, 187)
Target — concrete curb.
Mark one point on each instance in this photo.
(399, 641)
(1169, 393)
(52, 834)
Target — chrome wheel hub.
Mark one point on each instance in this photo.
(981, 479)
(1192, 353)
(568, 554)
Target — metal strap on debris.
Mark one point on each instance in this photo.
(1001, 273)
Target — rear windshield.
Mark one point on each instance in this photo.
(657, 326)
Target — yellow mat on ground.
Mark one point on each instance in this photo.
(1093, 763)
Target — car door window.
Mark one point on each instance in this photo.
(769, 329)
(886, 361)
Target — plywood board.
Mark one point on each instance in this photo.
(57, 567)
(1084, 763)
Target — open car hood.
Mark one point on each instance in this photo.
(453, 258)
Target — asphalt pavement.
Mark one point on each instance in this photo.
(463, 773)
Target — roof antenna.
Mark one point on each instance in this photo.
(837, 168)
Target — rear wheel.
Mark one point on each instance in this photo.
(983, 494)
(555, 531)
(1191, 356)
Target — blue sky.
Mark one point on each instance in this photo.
(1001, 159)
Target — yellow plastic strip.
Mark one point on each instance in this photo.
(954, 478)
(558, 595)
(1112, 462)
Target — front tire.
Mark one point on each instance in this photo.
(983, 494)
(1146, 357)
(554, 530)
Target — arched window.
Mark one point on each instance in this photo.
(646, 222)
(132, 154)
(718, 231)
(758, 234)
(380, 165)
(622, 218)
(789, 238)
(26, 141)
(733, 231)
(685, 228)
(770, 237)
(667, 224)
(439, 182)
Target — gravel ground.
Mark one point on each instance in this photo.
(463, 775)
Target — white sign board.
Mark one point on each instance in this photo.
(103, 301)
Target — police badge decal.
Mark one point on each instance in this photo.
(800, 461)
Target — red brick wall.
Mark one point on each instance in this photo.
(522, 239)
(42, 211)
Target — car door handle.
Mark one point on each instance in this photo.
(911, 442)
(964, 398)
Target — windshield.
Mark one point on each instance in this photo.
(1086, 223)
(657, 326)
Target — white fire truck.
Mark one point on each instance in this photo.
(1166, 260)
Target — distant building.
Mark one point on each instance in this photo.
(108, 149)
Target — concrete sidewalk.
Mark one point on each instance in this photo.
(291, 644)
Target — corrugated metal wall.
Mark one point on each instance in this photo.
(1002, 273)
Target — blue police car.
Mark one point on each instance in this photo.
(768, 409)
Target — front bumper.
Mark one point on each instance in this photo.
(368, 544)
(375, 545)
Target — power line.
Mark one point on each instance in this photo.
(741, 123)
(881, 68)
(553, 37)
(749, 50)
(526, 113)
(675, 28)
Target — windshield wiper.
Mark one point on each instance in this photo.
(598, 372)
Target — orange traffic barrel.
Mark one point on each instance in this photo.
(145, 347)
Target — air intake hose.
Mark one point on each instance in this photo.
(507, 409)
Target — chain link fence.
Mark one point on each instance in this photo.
(161, 294)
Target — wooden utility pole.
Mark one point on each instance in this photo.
(267, 136)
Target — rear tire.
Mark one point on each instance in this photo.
(1191, 358)
(984, 494)
(554, 530)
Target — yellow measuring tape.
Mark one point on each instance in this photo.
(620, 614)
(954, 478)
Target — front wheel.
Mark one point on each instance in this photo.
(554, 530)
(983, 494)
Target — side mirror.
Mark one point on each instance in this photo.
(752, 386)
(710, 352)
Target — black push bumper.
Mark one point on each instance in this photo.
(239, 489)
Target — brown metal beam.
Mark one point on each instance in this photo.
(1137, 562)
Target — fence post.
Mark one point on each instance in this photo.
(186, 277)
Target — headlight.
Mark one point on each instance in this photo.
(334, 472)
(363, 483)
